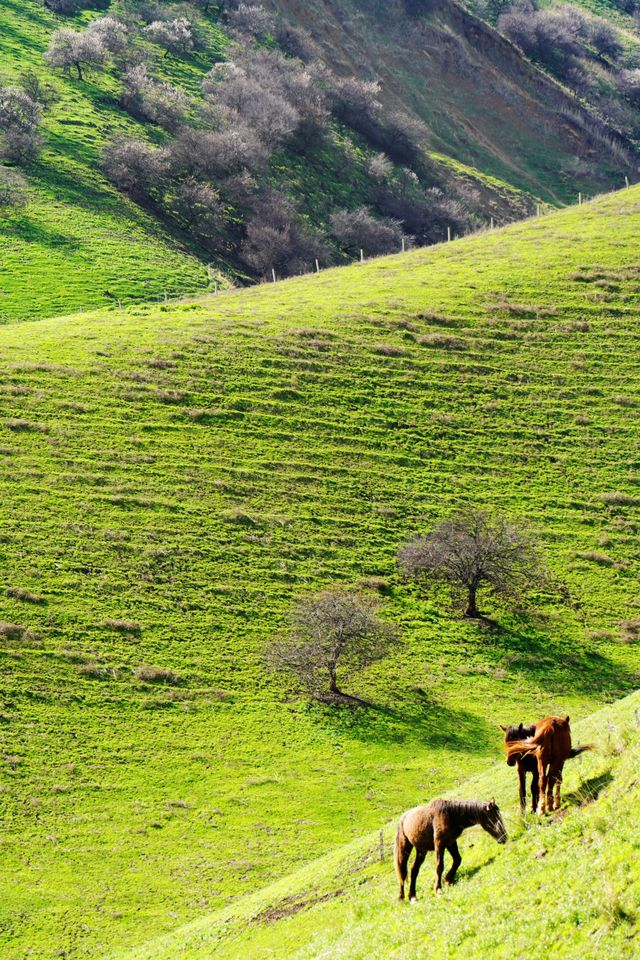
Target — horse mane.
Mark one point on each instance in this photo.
(457, 807)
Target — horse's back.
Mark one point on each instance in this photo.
(417, 824)
(555, 734)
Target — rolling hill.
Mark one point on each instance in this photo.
(177, 475)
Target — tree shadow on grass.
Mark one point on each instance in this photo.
(555, 661)
(29, 231)
(417, 719)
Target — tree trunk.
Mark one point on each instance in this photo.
(333, 683)
(472, 609)
(80, 77)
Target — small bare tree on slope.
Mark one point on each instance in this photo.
(333, 631)
(473, 550)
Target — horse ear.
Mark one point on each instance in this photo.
(566, 719)
(503, 728)
(521, 727)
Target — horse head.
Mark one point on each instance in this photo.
(493, 823)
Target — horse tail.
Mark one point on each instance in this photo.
(575, 751)
(518, 748)
(398, 845)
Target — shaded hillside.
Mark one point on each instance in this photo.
(481, 101)
(176, 477)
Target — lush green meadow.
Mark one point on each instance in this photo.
(174, 477)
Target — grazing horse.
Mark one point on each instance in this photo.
(550, 745)
(437, 826)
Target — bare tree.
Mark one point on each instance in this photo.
(251, 19)
(135, 166)
(474, 549)
(333, 632)
(73, 48)
(148, 99)
(279, 238)
(175, 36)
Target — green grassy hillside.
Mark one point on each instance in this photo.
(78, 243)
(570, 883)
(176, 476)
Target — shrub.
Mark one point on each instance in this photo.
(150, 674)
(134, 166)
(20, 117)
(123, 626)
(13, 189)
(11, 631)
(358, 230)
(18, 593)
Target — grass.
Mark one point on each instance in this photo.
(568, 883)
(176, 535)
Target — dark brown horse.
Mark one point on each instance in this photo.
(525, 763)
(528, 763)
(437, 826)
(550, 746)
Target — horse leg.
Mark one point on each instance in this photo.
(535, 791)
(558, 785)
(551, 779)
(542, 787)
(415, 870)
(439, 848)
(522, 776)
(402, 853)
(457, 860)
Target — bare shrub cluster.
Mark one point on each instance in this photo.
(20, 117)
(212, 178)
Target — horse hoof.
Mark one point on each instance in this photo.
(438, 893)
(413, 900)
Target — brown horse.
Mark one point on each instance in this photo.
(550, 745)
(528, 763)
(437, 826)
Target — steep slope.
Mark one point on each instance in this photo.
(483, 103)
(176, 476)
(570, 884)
